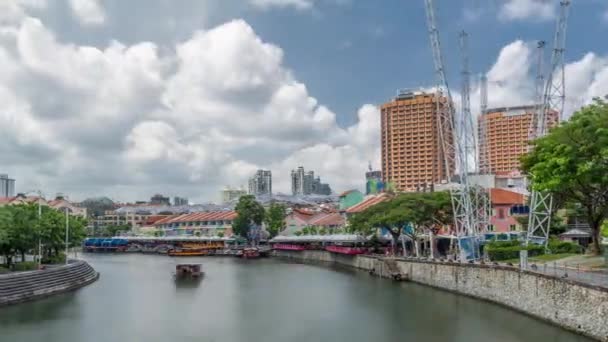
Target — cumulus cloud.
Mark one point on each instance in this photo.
(527, 9)
(297, 4)
(127, 121)
(88, 12)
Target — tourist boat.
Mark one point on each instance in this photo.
(345, 250)
(188, 271)
(250, 253)
(187, 252)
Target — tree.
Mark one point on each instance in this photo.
(249, 212)
(275, 218)
(571, 162)
(409, 213)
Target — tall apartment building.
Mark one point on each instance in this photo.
(305, 183)
(261, 183)
(412, 154)
(7, 186)
(507, 132)
(180, 201)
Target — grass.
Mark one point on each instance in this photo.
(542, 258)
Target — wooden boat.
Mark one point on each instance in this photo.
(188, 271)
(250, 253)
(187, 252)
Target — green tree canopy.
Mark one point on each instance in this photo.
(275, 218)
(571, 162)
(249, 211)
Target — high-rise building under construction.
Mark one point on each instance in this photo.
(507, 135)
(412, 154)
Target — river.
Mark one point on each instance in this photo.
(266, 300)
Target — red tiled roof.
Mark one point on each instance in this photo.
(368, 202)
(200, 216)
(6, 200)
(502, 196)
(153, 219)
(327, 219)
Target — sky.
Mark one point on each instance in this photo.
(126, 99)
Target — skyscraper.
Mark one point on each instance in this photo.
(180, 201)
(412, 152)
(261, 183)
(7, 186)
(507, 132)
(305, 183)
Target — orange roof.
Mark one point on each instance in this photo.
(150, 220)
(502, 196)
(368, 202)
(327, 219)
(199, 216)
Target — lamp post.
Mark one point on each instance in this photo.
(40, 197)
(67, 232)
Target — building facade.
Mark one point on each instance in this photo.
(507, 137)
(199, 223)
(261, 183)
(180, 201)
(159, 199)
(305, 183)
(412, 152)
(507, 206)
(7, 186)
(229, 195)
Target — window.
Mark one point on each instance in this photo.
(491, 228)
(513, 227)
(501, 213)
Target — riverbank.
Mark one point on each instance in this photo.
(574, 306)
(31, 285)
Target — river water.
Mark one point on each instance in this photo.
(266, 300)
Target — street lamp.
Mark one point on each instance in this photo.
(40, 197)
(67, 232)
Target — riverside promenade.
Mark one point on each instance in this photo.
(31, 285)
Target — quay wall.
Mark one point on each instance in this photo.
(572, 305)
(26, 286)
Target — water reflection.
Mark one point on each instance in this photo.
(137, 299)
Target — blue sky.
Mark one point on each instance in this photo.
(131, 98)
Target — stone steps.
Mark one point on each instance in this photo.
(31, 285)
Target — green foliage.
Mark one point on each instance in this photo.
(570, 162)
(197, 233)
(59, 258)
(298, 233)
(249, 211)
(505, 250)
(556, 247)
(21, 228)
(605, 229)
(275, 218)
(25, 266)
(220, 234)
(423, 211)
(309, 230)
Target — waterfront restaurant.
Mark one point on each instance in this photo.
(210, 223)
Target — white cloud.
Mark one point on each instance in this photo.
(527, 9)
(88, 12)
(297, 4)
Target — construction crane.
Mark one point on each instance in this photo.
(480, 199)
(452, 144)
(541, 204)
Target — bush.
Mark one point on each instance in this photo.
(55, 259)
(25, 266)
(505, 250)
(557, 246)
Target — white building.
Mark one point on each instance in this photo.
(261, 183)
(7, 186)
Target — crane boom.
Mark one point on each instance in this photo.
(453, 147)
(541, 204)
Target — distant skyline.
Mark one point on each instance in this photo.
(130, 98)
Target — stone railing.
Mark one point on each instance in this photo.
(31, 285)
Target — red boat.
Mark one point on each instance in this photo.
(288, 247)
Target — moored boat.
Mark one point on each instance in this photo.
(251, 253)
(187, 252)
